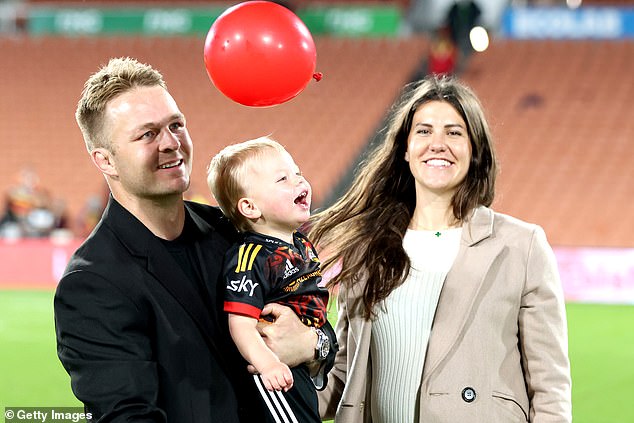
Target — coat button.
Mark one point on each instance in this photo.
(468, 394)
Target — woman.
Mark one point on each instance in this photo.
(448, 311)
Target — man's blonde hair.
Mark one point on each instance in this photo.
(227, 172)
(120, 75)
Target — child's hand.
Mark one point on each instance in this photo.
(277, 377)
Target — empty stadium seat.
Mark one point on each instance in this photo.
(325, 127)
(562, 116)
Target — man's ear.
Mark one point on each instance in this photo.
(102, 158)
(248, 208)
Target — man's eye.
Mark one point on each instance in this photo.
(176, 126)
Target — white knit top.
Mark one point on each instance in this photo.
(401, 330)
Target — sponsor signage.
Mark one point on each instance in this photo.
(352, 21)
(564, 23)
(588, 275)
(344, 21)
(94, 21)
(597, 275)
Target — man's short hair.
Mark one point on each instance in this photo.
(117, 77)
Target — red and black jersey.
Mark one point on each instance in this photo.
(264, 269)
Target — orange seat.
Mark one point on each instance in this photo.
(325, 127)
(562, 115)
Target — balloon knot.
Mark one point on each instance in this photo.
(317, 76)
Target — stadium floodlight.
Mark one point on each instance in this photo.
(573, 4)
(479, 38)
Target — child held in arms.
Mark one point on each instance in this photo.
(261, 190)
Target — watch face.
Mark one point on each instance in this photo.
(325, 349)
(323, 346)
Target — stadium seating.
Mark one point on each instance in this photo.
(560, 111)
(325, 127)
(562, 115)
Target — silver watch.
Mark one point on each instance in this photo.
(323, 345)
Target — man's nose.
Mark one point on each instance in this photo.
(169, 141)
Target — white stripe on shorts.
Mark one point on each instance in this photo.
(276, 403)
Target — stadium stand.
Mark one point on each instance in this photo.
(560, 110)
(325, 127)
(562, 115)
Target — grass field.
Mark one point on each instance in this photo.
(601, 353)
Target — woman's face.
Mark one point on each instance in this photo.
(438, 149)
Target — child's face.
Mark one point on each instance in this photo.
(278, 190)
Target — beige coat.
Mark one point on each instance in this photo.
(498, 350)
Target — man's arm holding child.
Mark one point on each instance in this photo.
(295, 343)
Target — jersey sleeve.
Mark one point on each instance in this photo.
(246, 277)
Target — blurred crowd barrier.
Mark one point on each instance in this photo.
(32, 211)
(34, 263)
(589, 275)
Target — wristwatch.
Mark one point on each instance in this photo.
(323, 345)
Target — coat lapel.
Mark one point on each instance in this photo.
(211, 249)
(160, 264)
(359, 373)
(460, 290)
(170, 275)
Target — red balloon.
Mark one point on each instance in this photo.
(259, 54)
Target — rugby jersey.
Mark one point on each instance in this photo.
(264, 269)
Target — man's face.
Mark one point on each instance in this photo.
(151, 151)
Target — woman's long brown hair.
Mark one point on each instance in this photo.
(364, 229)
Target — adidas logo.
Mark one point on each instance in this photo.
(290, 269)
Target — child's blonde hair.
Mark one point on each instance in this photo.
(228, 169)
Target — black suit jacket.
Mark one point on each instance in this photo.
(135, 335)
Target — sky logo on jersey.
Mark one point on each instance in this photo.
(243, 285)
(246, 257)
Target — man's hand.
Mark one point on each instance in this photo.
(292, 341)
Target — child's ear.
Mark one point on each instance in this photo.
(248, 208)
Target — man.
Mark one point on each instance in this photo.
(138, 312)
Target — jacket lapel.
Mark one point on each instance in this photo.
(460, 290)
(160, 264)
(170, 275)
(210, 250)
